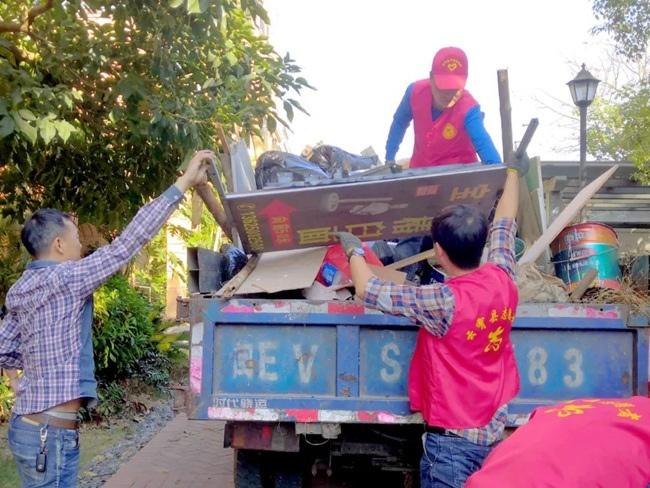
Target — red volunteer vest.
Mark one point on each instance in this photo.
(586, 443)
(458, 381)
(443, 141)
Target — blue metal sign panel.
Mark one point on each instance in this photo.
(253, 360)
(360, 362)
(384, 362)
(560, 365)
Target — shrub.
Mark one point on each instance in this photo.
(123, 329)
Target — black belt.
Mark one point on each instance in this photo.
(437, 430)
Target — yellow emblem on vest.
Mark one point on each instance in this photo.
(449, 131)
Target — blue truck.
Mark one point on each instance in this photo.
(315, 388)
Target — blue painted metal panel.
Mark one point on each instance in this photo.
(360, 362)
(568, 364)
(347, 362)
(288, 360)
(384, 362)
(641, 379)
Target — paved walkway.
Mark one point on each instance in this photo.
(184, 454)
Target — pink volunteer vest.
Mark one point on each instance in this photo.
(601, 443)
(443, 141)
(458, 381)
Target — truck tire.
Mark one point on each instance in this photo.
(248, 469)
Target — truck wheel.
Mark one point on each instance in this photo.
(248, 469)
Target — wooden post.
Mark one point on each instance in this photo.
(215, 208)
(506, 116)
(226, 163)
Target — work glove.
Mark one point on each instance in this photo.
(520, 165)
(351, 244)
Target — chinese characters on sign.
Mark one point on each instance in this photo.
(239, 403)
(384, 208)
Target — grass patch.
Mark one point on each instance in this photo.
(94, 441)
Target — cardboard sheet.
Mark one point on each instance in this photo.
(284, 270)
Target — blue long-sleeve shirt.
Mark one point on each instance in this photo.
(474, 127)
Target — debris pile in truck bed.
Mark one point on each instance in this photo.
(303, 201)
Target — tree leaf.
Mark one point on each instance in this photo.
(209, 83)
(64, 128)
(288, 108)
(27, 115)
(25, 129)
(193, 7)
(176, 3)
(232, 59)
(204, 5)
(271, 123)
(7, 126)
(48, 131)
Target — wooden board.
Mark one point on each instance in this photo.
(566, 217)
(388, 207)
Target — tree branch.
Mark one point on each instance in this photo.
(38, 10)
(26, 28)
(9, 27)
(26, 25)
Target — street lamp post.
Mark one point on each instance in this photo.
(583, 90)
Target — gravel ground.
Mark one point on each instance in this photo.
(102, 467)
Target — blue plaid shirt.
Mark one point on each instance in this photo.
(41, 333)
(432, 307)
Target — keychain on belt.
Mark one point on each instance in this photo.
(41, 459)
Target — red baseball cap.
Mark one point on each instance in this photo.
(449, 68)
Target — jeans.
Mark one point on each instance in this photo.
(62, 449)
(448, 460)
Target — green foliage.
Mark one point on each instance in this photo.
(101, 101)
(621, 129)
(129, 346)
(6, 398)
(628, 22)
(123, 329)
(13, 257)
(150, 268)
(153, 369)
(620, 120)
(112, 399)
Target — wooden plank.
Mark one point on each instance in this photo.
(380, 207)
(505, 111)
(526, 219)
(197, 209)
(215, 208)
(566, 217)
(583, 285)
(230, 288)
(431, 253)
(387, 274)
(225, 162)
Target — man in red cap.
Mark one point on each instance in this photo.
(593, 442)
(447, 120)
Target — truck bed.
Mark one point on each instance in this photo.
(307, 362)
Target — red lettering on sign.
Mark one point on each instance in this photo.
(278, 217)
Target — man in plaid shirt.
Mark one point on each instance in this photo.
(47, 331)
(463, 370)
